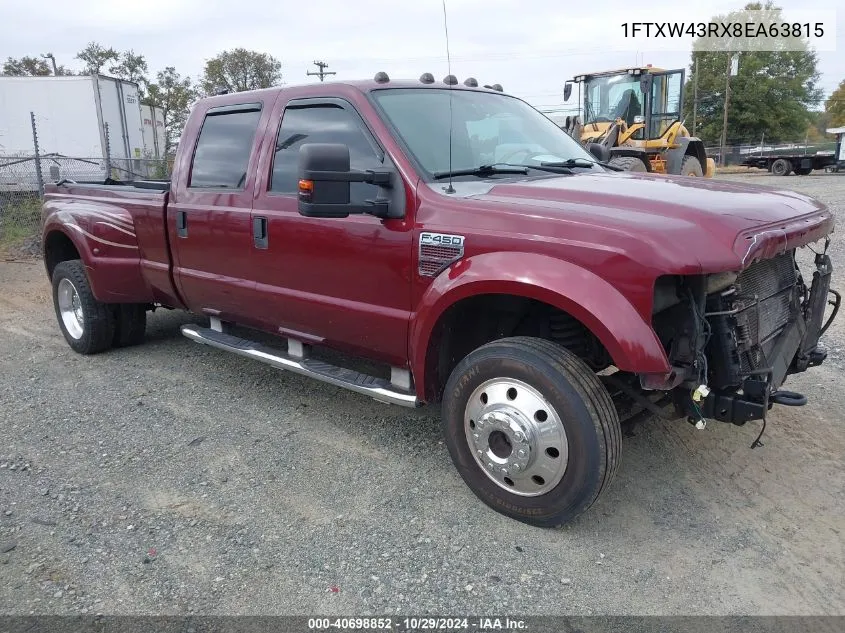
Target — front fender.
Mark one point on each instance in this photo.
(628, 338)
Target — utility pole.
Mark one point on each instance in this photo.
(694, 90)
(725, 116)
(52, 59)
(322, 72)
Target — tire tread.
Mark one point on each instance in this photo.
(99, 317)
(593, 394)
(130, 324)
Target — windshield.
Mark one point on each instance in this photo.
(613, 97)
(487, 129)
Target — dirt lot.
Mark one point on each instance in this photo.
(173, 478)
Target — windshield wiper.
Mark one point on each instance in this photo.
(555, 168)
(482, 171)
(581, 162)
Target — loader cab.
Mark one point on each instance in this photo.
(647, 100)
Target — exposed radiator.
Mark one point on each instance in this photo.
(765, 297)
(762, 302)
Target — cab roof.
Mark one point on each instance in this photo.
(362, 85)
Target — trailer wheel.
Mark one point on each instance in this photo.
(87, 324)
(803, 171)
(531, 429)
(781, 167)
(691, 166)
(628, 163)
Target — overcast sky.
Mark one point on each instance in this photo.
(530, 46)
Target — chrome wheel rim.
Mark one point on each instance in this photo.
(70, 308)
(516, 437)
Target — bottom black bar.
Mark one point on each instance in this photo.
(412, 624)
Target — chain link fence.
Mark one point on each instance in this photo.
(23, 176)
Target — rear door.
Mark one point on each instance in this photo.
(209, 213)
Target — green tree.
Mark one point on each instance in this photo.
(834, 107)
(239, 69)
(132, 67)
(95, 57)
(173, 94)
(26, 66)
(772, 93)
(32, 67)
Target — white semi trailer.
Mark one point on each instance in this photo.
(74, 117)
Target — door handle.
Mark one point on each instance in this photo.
(181, 224)
(259, 232)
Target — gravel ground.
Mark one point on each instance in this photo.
(173, 478)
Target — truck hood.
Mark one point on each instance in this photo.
(720, 223)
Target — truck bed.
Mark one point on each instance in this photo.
(155, 185)
(124, 226)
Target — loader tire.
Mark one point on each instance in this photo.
(691, 166)
(629, 163)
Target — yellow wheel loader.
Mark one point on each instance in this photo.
(633, 118)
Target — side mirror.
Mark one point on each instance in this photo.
(567, 90)
(645, 83)
(324, 183)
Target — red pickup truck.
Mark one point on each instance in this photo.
(458, 240)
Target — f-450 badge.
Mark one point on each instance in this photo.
(438, 251)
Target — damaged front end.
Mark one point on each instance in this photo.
(733, 338)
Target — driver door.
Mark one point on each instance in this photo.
(343, 282)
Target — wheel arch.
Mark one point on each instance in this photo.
(591, 301)
(111, 256)
(59, 247)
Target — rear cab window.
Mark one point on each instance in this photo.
(221, 157)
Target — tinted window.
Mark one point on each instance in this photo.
(322, 124)
(223, 149)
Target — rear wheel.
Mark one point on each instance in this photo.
(803, 171)
(781, 167)
(531, 429)
(130, 324)
(691, 166)
(87, 324)
(628, 163)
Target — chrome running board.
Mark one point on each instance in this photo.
(378, 388)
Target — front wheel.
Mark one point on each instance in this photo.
(531, 429)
